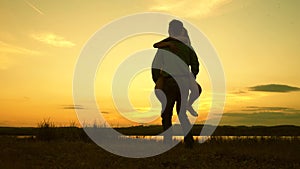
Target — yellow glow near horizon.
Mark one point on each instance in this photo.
(257, 42)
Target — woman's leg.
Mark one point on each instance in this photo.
(196, 90)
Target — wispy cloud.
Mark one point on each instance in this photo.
(274, 88)
(269, 109)
(9, 52)
(53, 39)
(14, 49)
(5, 123)
(72, 106)
(34, 7)
(239, 92)
(262, 109)
(255, 115)
(189, 8)
(265, 115)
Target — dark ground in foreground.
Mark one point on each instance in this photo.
(221, 154)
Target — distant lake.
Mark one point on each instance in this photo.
(180, 138)
(197, 138)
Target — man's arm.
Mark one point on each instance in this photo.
(194, 64)
(157, 65)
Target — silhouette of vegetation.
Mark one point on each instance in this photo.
(70, 147)
(216, 153)
(283, 130)
(47, 131)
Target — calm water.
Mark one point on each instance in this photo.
(180, 138)
(19, 136)
(197, 138)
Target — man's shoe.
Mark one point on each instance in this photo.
(189, 145)
(189, 141)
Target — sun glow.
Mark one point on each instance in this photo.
(41, 41)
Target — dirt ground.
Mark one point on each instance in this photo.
(27, 154)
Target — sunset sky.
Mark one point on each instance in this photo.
(257, 42)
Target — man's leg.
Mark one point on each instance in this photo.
(186, 126)
(168, 111)
(181, 111)
(159, 91)
(167, 124)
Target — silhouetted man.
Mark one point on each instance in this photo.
(171, 66)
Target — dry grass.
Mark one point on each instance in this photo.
(222, 154)
(69, 147)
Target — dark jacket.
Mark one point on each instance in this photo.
(164, 59)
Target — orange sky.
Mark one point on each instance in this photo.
(257, 42)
